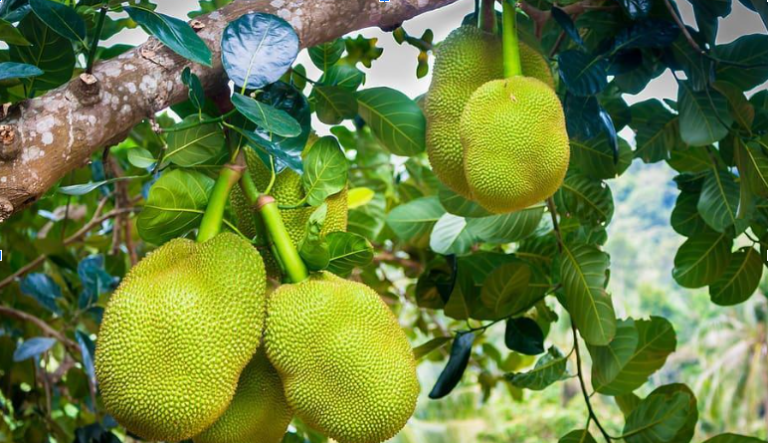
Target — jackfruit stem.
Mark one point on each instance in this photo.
(210, 225)
(510, 43)
(486, 16)
(294, 266)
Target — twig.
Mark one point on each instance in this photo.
(584, 385)
(684, 29)
(43, 326)
(555, 225)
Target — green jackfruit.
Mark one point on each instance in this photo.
(468, 58)
(258, 413)
(516, 148)
(176, 334)
(347, 367)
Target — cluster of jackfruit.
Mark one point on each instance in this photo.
(510, 148)
(180, 353)
(287, 191)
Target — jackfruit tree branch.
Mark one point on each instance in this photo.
(510, 43)
(44, 138)
(210, 225)
(286, 252)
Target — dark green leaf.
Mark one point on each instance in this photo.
(175, 205)
(348, 251)
(43, 289)
(325, 171)
(733, 438)
(577, 436)
(657, 130)
(196, 93)
(454, 369)
(702, 259)
(589, 200)
(753, 166)
(196, 145)
(636, 9)
(172, 32)
(333, 104)
(749, 50)
(506, 228)
(740, 279)
(458, 205)
(505, 290)
(60, 18)
(395, 119)
(266, 117)
(686, 219)
(50, 52)
(343, 76)
(11, 70)
(257, 49)
(740, 108)
(523, 335)
(33, 347)
(719, 200)
(583, 276)
(664, 416)
(594, 157)
(704, 116)
(549, 369)
(583, 74)
(326, 54)
(564, 20)
(10, 35)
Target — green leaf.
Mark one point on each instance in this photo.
(589, 200)
(577, 436)
(60, 18)
(458, 205)
(89, 187)
(549, 369)
(740, 108)
(663, 416)
(450, 235)
(257, 49)
(348, 251)
(594, 157)
(345, 77)
(583, 276)
(639, 349)
(733, 438)
(266, 117)
(173, 33)
(11, 70)
(686, 219)
(425, 349)
(524, 335)
(141, 158)
(196, 145)
(506, 228)
(627, 403)
(505, 290)
(326, 54)
(657, 131)
(702, 259)
(719, 200)
(10, 35)
(325, 170)
(746, 50)
(753, 166)
(333, 104)
(196, 93)
(704, 116)
(413, 221)
(740, 279)
(175, 205)
(50, 52)
(689, 158)
(395, 119)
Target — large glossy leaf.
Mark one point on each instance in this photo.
(686, 219)
(10, 35)
(175, 205)
(454, 369)
(505, 290)
(591, 201)
(639, 349)
(658, 130)
(549, 369)
(506, 228)
(707, 13)
(595, 157)
(266, 117)
(348, 251)
(50, 52)
(704, 115)
(664, 416)
(740, 279)
(326, 54)
(523, 335)
(719, 200)
(257, 49)
(458, 205)
(751, 50)
(742, 111)
(583, 276)
(172, 32)
(11, 70)
(196, 145)
(333, 104)
(583, 74)
(395, 119)
(753, 166)
(345, 77)
(60, 18)
(325, 171)
(450, 235)
(414, 220)
(702, 259)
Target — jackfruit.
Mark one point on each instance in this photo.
(347, 368)
(287, 191)
(468, 58)
(258, 413)
(177, 333)
(516, 148)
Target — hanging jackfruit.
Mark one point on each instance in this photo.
(258, 413)
(177, 333)
(467, 59)
(516, 148)
(347, 367)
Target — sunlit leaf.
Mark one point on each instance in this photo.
(172, 32)
(740, 279)
(395, 119)
(549, 369)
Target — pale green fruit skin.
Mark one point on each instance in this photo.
(468, 58)
(176, 334)
(346, 365)
(516, 147)
(259, 412)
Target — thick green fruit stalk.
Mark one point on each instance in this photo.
(516, 148)
(177, 333)
(468, 58)
(347, 367)
(259, 412)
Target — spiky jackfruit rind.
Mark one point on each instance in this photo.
(516, 148)
(347, 367)
(177, 333)
(258, 413)
(468, 58)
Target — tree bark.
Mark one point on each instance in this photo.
(46, 137)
